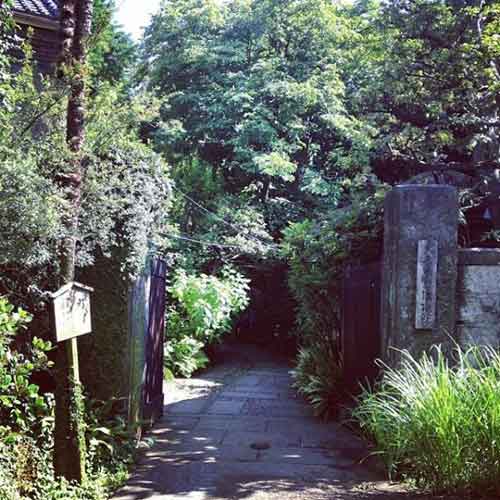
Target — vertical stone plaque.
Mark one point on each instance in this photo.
(427, 261)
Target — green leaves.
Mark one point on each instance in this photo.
(208, 302)
(203, 313)
(437, 72)
(276, 165)
(318, 375)
(125, 195)
(184, 356)
(255, 88)
(436, 423)
(11, 320)
(31, 208)
(22, 407)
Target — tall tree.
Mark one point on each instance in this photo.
(439, 87)
(69, 456)
(254, 89)
(113, 51)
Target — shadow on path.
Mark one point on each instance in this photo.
(238, 431)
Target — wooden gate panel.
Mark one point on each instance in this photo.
(360, 336)
(153, 387)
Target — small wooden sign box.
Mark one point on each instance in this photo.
(71, 311)
(70, 316)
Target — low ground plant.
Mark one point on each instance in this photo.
(318, 376)
(438, 422)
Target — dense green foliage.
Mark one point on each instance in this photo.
(201, 314)
(125, 199)
(254, 92)
(318, 375)
(317, 253)
(6, 24)
(254, 89)
(441, 85)
(23, 410)
(126, 190)
(439, 424)
(27, 422)
(125, 194)
(113, 52)
(303, 113)
(284, 122)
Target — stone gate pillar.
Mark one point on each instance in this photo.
(419, 272)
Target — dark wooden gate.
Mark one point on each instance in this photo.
(360, 335)
(153, 387)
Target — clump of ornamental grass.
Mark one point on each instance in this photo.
(318, 376)
(438, 422)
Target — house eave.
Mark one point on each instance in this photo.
(36, 21)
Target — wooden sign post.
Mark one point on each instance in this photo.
(70, 319)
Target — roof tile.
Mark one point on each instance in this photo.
(45, 8)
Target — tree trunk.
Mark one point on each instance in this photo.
(76, 26)
(69, 449)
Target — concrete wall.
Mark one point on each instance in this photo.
(478, 297)
(432, 292)
(419, 271)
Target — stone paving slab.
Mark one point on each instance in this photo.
(268, 408)
(305, 456)
(242, 423)
(224, 407)
(251, 380)
(192, 406)
(324, 440)
(184, 454)
(194, 439)
(232, 480)
(240, 432)
(239, 394)
(170, 422)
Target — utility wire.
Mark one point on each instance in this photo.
(204, 243)
(221, 219)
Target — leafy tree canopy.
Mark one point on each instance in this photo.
(255, 90)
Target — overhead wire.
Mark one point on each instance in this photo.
(239, 230)
(204, 242)
(221, 219)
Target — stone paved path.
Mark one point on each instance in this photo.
(240, 432)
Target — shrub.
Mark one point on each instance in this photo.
(111, 442)
(317, 252)
(439, 424)
(24, 468)
(23, 410)
(125, 193)
(318, 376)
(184, 356)
(204, 309)
(27, 425)
(26, 416)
